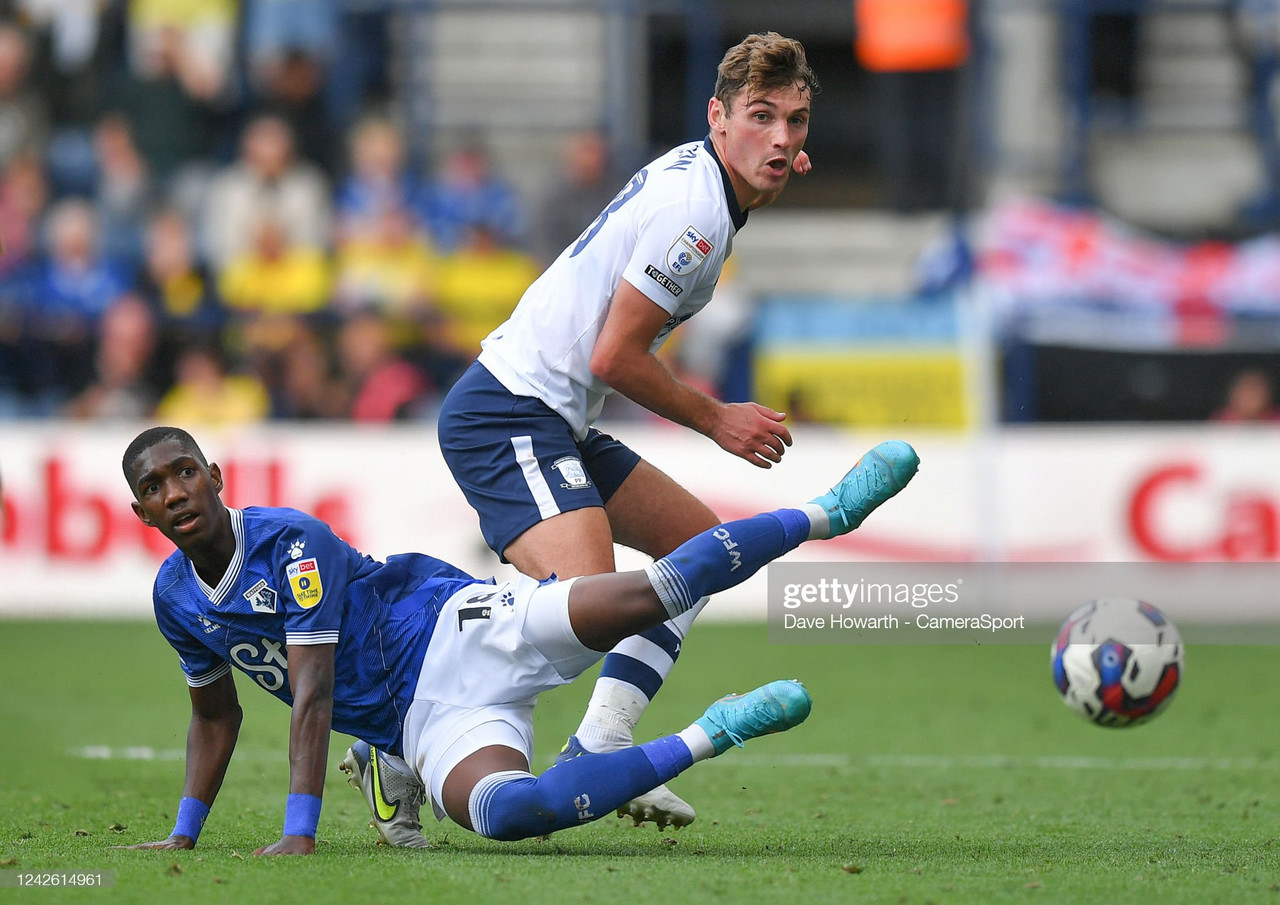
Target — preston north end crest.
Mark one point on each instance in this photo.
(572, 475)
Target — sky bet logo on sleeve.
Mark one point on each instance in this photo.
(304, 578)
(687, 252)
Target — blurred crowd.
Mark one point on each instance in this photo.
(209, 213)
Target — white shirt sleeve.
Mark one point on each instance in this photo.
(679, 246)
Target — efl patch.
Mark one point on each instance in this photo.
(662, 280)
(261, 598)
(573, 475)
(687, 252)
(304, 578)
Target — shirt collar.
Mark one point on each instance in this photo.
(229, 578)
(736, 214)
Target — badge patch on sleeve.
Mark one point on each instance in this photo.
(687, 252)
(304, 578)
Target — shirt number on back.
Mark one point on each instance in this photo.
(632, 189)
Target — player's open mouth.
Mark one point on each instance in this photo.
(777, 166)
(185, 520)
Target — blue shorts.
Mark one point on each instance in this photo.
(516, 460)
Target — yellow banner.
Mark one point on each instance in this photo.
(865, 389)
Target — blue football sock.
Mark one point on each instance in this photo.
(725, 556)
(516, 805)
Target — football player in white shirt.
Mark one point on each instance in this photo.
(552, 492)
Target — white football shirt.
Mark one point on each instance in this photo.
(667, 233)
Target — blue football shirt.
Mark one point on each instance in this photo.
(293, 581)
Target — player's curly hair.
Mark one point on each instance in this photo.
(762, 63)
(149, 438)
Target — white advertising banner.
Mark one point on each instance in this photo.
(70, 544)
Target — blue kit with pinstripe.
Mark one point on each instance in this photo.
(292, 581)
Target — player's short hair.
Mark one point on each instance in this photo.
(762, 63)
(153, 436)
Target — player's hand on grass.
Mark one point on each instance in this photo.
(289, 845)
(753, 432)
(802, 164)
(173, 842)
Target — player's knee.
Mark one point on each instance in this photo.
(507, 806)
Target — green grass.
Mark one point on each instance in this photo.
(925, 774)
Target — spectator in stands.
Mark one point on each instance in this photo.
(23, 194)
(205, 393)
(72, 287)
(124, 386)
(173, 97)
(273, 28)
(468, 193)
(304, 386)
(76, 278)
(205, 32)
(267, 180)
(587, 183)
(124, 193)
(382, 385)
(76, 49)
(389, 268)
(292, 88)
(273, 277)
(480, 284)
(378, 181)
(16, 383)
(177, 286)
(23, 119)
(1250, 399)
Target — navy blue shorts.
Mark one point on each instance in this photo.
(517, 461)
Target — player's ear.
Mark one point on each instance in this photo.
(216, 474)
(141, 514)
(716, 114)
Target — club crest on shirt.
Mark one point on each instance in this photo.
(573, 475)
(304, 579)
(261, 597)
(687, 252)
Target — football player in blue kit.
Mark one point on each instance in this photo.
(552, 492)
(435, 672)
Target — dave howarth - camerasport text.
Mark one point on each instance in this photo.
(843, 621)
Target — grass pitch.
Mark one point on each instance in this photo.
(925, 775)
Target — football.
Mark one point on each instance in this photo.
(1117, 661)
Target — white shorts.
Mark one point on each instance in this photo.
(494, 650)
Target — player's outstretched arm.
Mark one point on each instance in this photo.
(211, 740)
(311, 680)
(621, 358)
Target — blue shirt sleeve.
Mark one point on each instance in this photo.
(200, 664)
(315, 567)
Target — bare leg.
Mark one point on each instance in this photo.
(578, 542)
